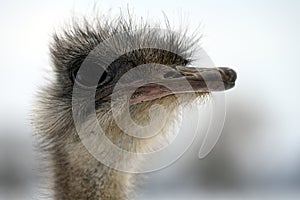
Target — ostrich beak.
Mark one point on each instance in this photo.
(181, 79)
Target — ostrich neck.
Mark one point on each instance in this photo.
(78, 175)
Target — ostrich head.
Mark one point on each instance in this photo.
(106, 58)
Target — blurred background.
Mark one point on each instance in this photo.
(258, 154)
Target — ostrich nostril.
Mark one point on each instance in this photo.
(172, 74)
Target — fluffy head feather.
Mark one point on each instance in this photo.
(77, 174)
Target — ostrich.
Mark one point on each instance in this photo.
(77, 174)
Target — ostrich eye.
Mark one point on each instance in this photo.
(86, 76)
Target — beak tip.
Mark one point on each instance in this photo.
(228, 74)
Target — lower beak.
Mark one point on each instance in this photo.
(180, 80)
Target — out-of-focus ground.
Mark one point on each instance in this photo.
(258, 154)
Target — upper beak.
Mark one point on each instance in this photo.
(181, 79)
(178, 80)
(203, 79)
